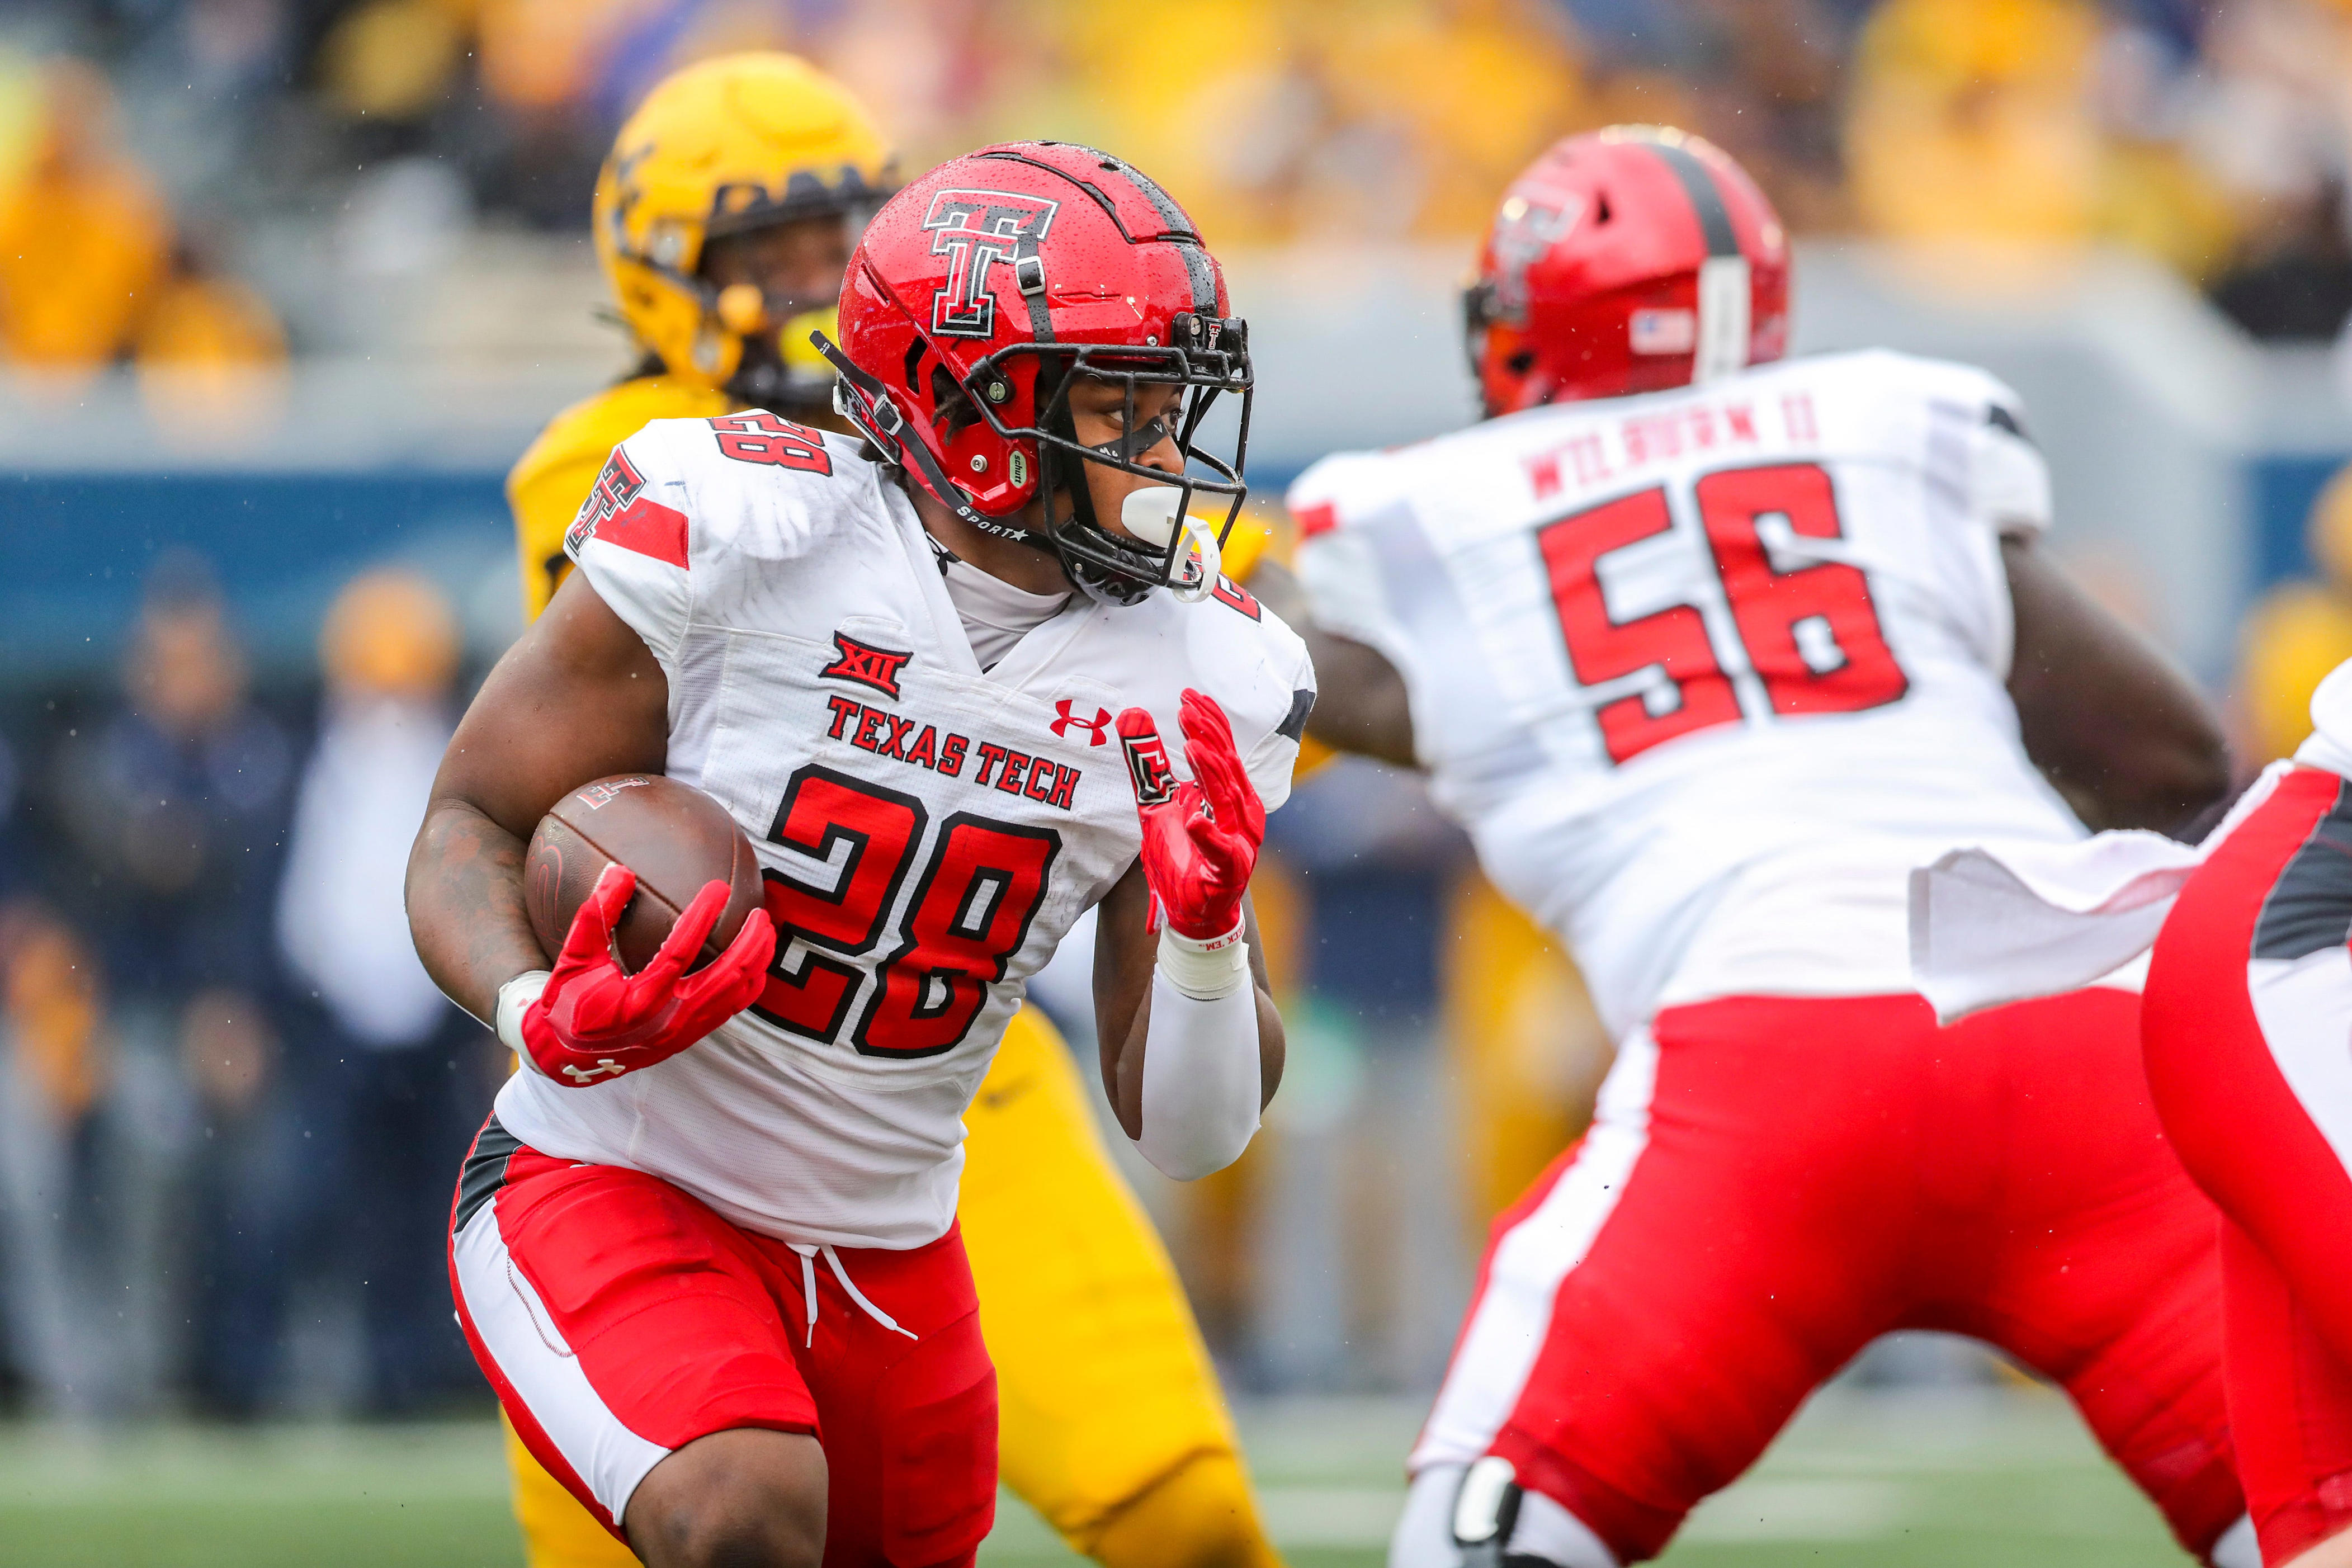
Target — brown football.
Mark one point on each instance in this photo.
(674, 837)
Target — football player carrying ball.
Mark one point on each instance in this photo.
(932, 687)
(724, 221)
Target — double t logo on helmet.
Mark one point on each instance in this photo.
(977, 229)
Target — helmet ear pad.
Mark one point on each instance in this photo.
(675, 317)
(1001, 474)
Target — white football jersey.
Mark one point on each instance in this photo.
(928, 832)
(1703, 672)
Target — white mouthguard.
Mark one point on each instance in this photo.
(1150, 515)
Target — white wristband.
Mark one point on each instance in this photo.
(515, 998)
(1205, 971)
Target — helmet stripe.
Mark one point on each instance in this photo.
(1722, 277)
(1178, 233)
(1162, 202)
(1705, 199)
(1180, 229)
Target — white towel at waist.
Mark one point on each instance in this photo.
(2000, 922)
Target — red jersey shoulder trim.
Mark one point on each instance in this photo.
(649, 528)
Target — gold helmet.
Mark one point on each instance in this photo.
(729, 145)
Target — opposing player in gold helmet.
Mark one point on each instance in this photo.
(725, 219)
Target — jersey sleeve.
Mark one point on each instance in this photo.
(1971, 479)
(633, 537)
(2003, 481)
(552, 478)
(2009, 480)
(1273, 761)
(1337, 563)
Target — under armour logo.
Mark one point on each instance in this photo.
(584, 1075)
(1094, 727)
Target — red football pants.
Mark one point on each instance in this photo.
(1772, 1182)
(2249, 1037)
(619, 1320)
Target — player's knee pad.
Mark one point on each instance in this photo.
(1478, 1516)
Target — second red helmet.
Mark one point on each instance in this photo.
(1625, 260)
(979, 293)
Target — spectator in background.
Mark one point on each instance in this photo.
(208, 353)
(2041, 125)
(395, 1083)
(49, 1076)
(85, 237)
(52, 1070)
(91, 271)
(2272, 126)
(1971, 118)
(2300, 631)
(175, 804)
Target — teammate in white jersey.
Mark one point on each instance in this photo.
(1703, 650)
(706, 1255)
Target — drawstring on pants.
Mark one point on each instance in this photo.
(808, 1290)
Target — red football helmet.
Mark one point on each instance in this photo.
(1626, 260)
(975, 299)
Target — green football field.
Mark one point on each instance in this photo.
(1889, 1481)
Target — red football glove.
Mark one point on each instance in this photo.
(1200, 839)
(593, 1023)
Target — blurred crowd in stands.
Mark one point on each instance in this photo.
(231, 1100)
(154, 152)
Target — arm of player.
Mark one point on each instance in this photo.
(1360, 698)
(2115, 726)
(578, 697)
(1191, 1042)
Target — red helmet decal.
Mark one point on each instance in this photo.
(1526, 227)
(977, 229)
